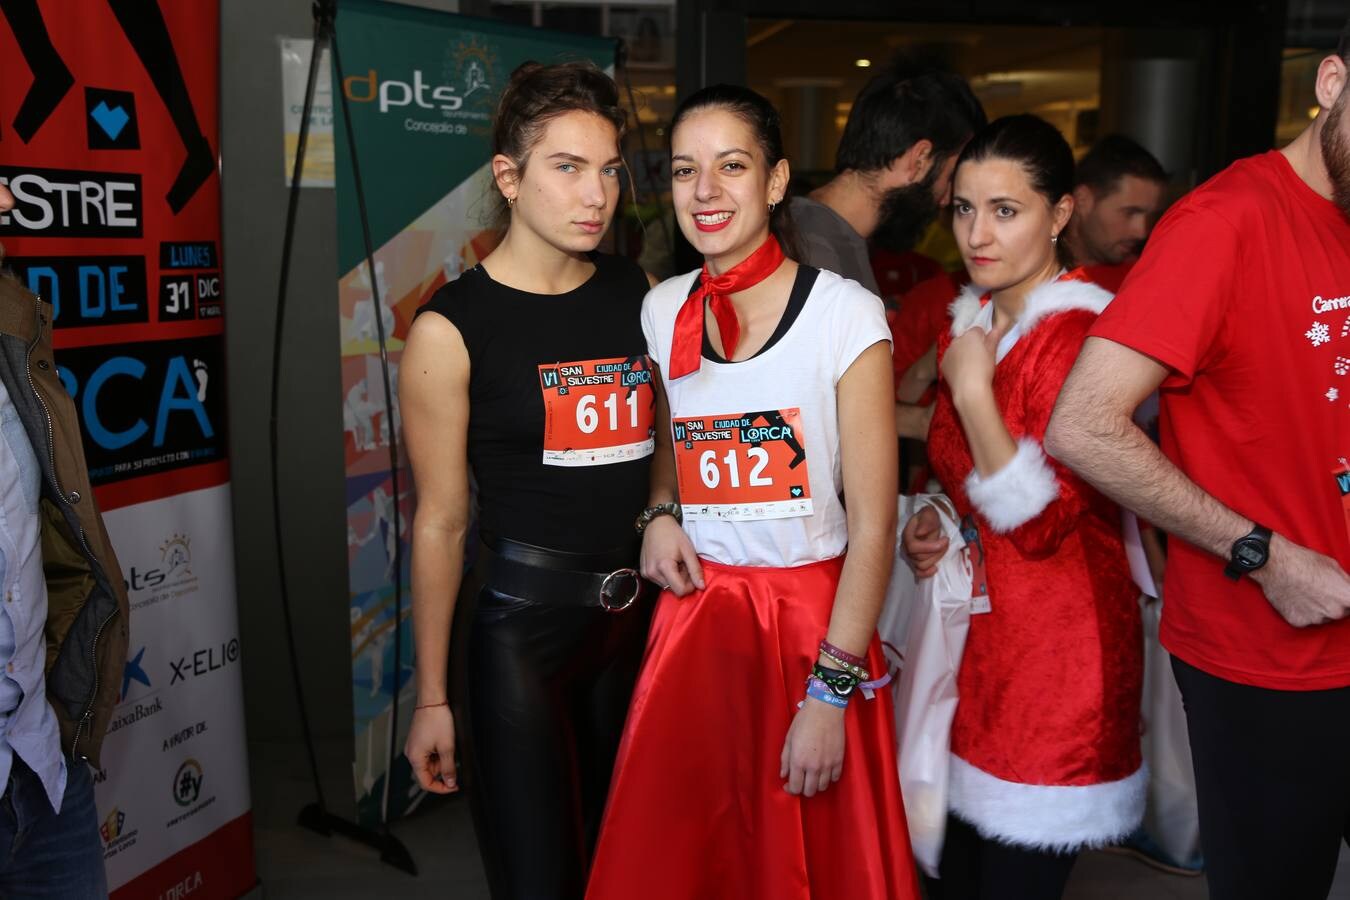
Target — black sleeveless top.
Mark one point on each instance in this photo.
(550, 377)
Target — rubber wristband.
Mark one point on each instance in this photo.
(842, 655)
(855, 670)
(819, 690)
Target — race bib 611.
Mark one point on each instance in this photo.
(742, 467)
(597, 411)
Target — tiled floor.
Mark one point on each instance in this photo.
(295, 864)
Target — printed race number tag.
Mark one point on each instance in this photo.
(973, 557)
(598, 411)
(744, 467)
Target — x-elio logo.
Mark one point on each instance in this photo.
(204, 661)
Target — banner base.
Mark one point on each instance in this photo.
(392, 852)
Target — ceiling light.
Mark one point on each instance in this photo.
(862, 63)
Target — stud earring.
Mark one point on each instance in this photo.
(773, 204)
(511, 201)
(1054, 239)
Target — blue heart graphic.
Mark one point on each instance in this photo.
(112, 121)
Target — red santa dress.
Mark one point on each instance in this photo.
(1045, 743)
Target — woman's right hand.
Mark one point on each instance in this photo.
(668, 557)
(431, 749)
(923, 542)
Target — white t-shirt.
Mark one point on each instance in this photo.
(741, 429)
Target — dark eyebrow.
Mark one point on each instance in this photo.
(1004, 200)
(719, 156)
(570, 157)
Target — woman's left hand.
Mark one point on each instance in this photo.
(968, 363)
(813, 754)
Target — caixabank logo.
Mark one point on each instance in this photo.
(137, 700)
(147, 407)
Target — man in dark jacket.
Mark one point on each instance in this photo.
(63, 618)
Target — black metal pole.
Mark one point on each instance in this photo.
(322, 29)
(316, 816)
(388, 421)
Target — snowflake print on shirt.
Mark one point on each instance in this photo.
(1332, 394)
(1341, 365)
(1319, 334)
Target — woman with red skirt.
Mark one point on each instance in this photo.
(758, 757)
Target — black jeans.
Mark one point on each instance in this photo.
(542, 690)
(1272, 771)
(976, 868)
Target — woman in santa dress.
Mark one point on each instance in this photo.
(1045, 755)
(757, 762)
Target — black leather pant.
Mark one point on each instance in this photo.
(542, 689)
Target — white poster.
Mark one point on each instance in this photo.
(175, 773)
(295, 54)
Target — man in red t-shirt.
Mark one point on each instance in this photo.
(1239, 313)
(1118, 192)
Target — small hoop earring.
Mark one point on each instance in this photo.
(1054, 239)
(773, 204)
(511, 202)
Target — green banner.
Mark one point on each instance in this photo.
(421, 87)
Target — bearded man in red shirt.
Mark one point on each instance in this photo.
(1238, 312)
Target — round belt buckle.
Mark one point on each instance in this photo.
(610, 584)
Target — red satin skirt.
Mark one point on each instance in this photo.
(697, 810)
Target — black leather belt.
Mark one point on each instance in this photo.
(606, 580)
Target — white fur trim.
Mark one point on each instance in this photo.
(1051, 817)
(965, 309)
(1044, 301)
(1016, 493)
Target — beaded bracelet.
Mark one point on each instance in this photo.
(841, 684)
(842, 655)
(852, 668)
(819, 690)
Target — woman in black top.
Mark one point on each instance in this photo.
(534, 375)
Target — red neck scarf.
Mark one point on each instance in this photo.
(686, 352)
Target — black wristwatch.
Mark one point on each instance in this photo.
(1249, 553)
(665, 509)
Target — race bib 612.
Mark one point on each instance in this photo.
(742, 467)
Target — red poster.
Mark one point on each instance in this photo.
(108, 140)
